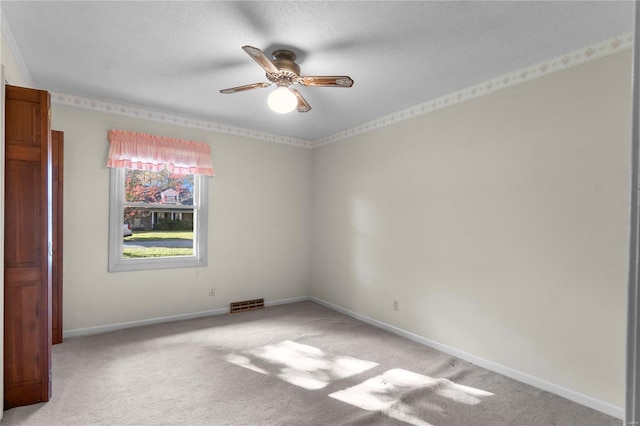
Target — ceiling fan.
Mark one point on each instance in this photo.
(283, 71)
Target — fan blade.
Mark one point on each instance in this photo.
(303, 106)
(327, 81)
(262, 59)
(245, 87)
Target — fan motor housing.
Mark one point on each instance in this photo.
(288, 70)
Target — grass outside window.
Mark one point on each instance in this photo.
(163, 238)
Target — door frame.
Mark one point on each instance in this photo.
(632, 405)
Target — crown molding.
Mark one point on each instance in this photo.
(65, 99)
(6, 31)
(606, 47)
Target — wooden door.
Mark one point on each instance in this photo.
(57, 151)
(27, 260)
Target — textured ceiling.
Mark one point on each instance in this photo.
(176, 56)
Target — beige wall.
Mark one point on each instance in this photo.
(259, 226)
(499, 224)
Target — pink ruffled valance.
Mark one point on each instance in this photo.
(141, 151)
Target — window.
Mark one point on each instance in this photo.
(158, 206)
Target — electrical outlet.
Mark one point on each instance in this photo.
(212, 291)
(396, 305)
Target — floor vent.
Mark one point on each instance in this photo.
(246, 305)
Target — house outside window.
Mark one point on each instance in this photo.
(169, 196)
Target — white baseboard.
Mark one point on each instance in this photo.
(122, 325)
(571, 395)
(285, 301)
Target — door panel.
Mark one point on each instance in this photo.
(23, 237)
(27, 263)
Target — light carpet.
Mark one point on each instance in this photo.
(295, 364)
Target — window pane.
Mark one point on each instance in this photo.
(147, 187)
(159, 213)
(180, 221)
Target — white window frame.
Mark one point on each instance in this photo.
(118, 263)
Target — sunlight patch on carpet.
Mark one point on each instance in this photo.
(302, 365)
(385, 392)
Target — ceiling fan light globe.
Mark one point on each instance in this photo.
(282, 100)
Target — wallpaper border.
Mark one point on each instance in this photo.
(65, 99)
(606, 47)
